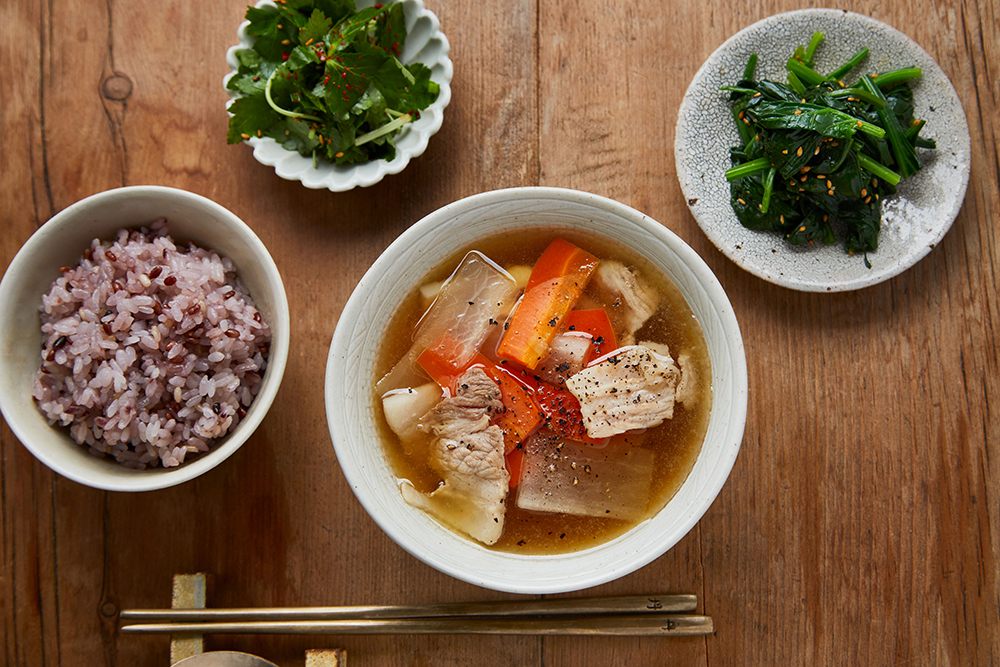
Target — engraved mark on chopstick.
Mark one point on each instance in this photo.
(654, 604)
(671, 625)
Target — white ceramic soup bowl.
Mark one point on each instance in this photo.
(351, 405)
(61, 242)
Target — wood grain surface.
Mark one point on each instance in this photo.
(861, 523)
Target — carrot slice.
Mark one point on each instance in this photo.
(596, 323)
(438, 361)
(515, 464)
(521, 415)
(561, 258)
(556, 283)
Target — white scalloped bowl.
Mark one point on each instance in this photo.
(60, 242)
(425, 43)
(352, 407)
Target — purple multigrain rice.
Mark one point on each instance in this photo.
(151, 352)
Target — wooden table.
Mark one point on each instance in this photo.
(861, 524)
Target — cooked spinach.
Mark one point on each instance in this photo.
(814, 150)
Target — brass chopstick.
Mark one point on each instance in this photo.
(663, 625)
(626, 604)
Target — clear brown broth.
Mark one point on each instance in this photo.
(675, 443)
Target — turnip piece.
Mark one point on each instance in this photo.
(472, 302)
(572, 478)
(404, 407)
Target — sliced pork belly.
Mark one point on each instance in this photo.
(632, 300)
(631, 388)
(468, 453)
(687, 386)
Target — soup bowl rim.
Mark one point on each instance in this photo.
(350, 401)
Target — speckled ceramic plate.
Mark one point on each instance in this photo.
(425, 43)
(913, 221)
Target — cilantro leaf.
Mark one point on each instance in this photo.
(296, 135)
(421, 93)
(316, 28)
(390, 32)
(325, 80)
(264, 26)
(249, 114)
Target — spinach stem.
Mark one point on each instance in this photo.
(804, 72)
(859, 93)
(739, 89)
(796, 84)
(853, 62)
(902, 150)
(870, 129)
(895, 76)
(768, 189)
(747, 168)
(814, 43)
(910, 134)
(878, 169)
(746, 134)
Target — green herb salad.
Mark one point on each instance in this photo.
(324, 79)
(814, 150)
